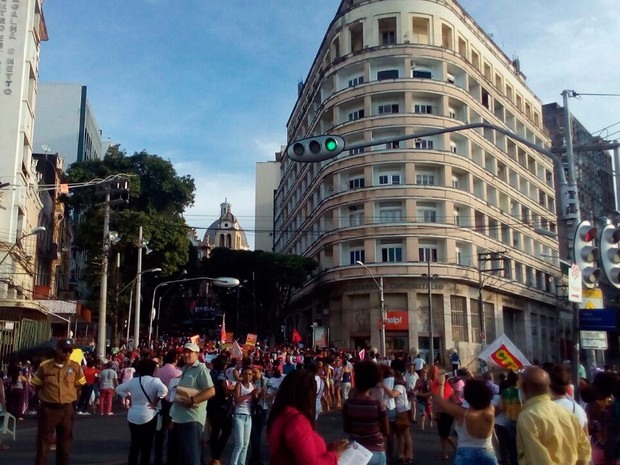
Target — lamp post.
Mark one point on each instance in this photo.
(132, 283)
(382, 304)
(219, 282)
(36, 230)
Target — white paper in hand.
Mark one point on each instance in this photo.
(355, 454)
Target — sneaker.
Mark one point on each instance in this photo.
(79, 413)
(85, 413)
(110, 413)
(53, 447)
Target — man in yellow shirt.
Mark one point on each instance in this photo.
(548, 434)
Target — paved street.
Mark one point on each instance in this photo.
(105, 441)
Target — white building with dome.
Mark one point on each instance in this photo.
(223, 232)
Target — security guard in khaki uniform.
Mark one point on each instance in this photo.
(57, 382)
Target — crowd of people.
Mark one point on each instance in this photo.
(186, 402)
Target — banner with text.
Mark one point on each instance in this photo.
(503, 353)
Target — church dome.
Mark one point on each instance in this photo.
(226, 231)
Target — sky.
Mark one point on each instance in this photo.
(210, 84)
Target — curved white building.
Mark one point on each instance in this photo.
(471, 203)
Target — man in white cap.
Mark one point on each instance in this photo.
(189, 413)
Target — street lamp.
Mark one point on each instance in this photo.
(36, 230)
(132, 283)
(219, 282)
(382, 302)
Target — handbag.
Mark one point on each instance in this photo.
(402, 420)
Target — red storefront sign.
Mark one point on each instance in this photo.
(397, 320)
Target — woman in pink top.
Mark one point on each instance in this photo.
(290, 428)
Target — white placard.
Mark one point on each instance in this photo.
(575, 287)
(355, 454)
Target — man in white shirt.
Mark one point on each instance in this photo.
(418, 364)
(559, 382)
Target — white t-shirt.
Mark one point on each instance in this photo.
(390, 404)
(573, 407)
(418, 364)
(411, 379)
(141, 411)
(402, 401)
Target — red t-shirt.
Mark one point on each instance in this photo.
(90, 373)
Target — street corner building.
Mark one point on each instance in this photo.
(445, 228)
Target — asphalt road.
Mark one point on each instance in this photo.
(105, 441)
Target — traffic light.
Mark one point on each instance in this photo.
(315, 149)
(586, 253)
(610, 253)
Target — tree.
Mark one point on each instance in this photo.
(276, 277)
(158, 196)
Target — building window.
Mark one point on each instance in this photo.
(390, 212)
(392, 145)
(455, 182)
(423, 144)
(427, 215)
(457, 216)
(388, 74)
(356, 256)
(356, 183)
(389, 179)
(425, 179)
(425, 109)
(421, 74)
(387, 31)
(356, 217)
(356, 151)
(391, 253)
(356, 81)
(426, 254)
(389, 108)
(458, 310)
(453, 147)
(357, 114)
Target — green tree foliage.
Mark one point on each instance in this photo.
(158, 196)
(270, 280)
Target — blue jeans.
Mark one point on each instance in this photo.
(474, 456)
(242, 428)
(186, 441)
(378, 458)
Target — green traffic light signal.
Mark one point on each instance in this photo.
(331, 144)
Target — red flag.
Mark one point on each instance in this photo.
(296, 337)
(223, 332)
(362, 354)
(195, 339)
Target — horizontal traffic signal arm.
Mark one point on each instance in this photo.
(433, 132)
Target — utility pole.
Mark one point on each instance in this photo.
(103, 289)
(571, 181)
(136, 325)
(113, 185)
(482, 258)
(430, 278)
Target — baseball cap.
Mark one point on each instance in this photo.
(191, 346)
(64, 344)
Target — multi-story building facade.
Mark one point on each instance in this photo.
(22, 321)
(267, 180)
(66, 123)
(466, 205)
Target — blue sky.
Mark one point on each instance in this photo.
(210, 84)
